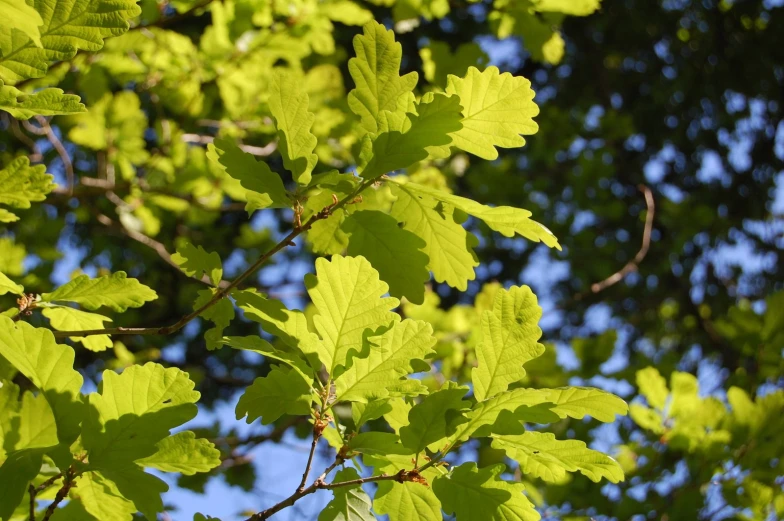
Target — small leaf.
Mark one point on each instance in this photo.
(471, 494)
(264, 348)
(221, 314)
(393, 251)
(195, 260)
(265, 187)
(430, 420)
(115, 291)
(375, 71)
(349, 503)
(21, 184)
(9, 286)
(183, 453)
(282, 391)
(377, 443)
(541, 455)
(70, 319)
(653, 387)
(407, 501)
(46, 102)
(288, 103)
(497, 109)
(446, 242)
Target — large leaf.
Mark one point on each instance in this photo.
(392, 251)
(282, 391)
(348, 297)
(115, 291)
(505, 220)
(473, 494)
(510, 334)
(405, 140)
(21, 184)
(288, 103)
(185, 453)
(134, 411)
(497, 109)
(68, 26)
(541, 455)
(407, 501)
(369, 378)
(102, 499)
(375, 71)
(46, 102)
(264, 187)
(70, 319)
(17, 15)
(446, 242)
(49, 366)
(349, 503)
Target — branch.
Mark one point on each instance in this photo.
(223, 292)
(61, 151)
(634, 264)
(68, 482)
(250, 149)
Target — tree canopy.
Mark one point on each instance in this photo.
(391, 259)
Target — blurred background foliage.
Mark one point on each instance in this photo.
(658, 165)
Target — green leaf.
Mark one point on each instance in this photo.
(406, 140)
(571, 7)
(134, 411)
(221, 314)
(142, 489)
(16, 472)
(541, 455)
(69, 319)
(195, 260)
(291, 327)
(510, 335)
(68, 26)
(391, 250)
(446, 242)
(49, 366)
(201, 517)
(17, 15)
(438, 60)
(288, 103)
(261, 346)
(369, 378)
(282, 391)
(505, 220)
(183, 453)
(101, 498)
(327, 236)
(473, 494)
(265, 187)
(579, 402)
(115, 291)
(431, 420)
(497, 109)
(9, 286)
(21, 184)
(653, 386)
(375, 71)
(377, 443)
(348, 297)
(406, 501)
(349, 503)
(46, 102)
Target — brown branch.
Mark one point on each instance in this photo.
(634, 264)
(68, 482)
(316, 437)
(13, 124)
(61, 151)
(31, 490)
(223, 292)
(250, 149)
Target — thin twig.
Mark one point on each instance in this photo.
(223, 292)
(31, 490)
(309, 464)
(13, 124)
(61, 151)
(634, 264)
(250, 149)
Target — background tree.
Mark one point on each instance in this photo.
(655, 165)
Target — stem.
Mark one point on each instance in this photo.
(31, 489)
(224, 291)
(68, 482)
(316, 438)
